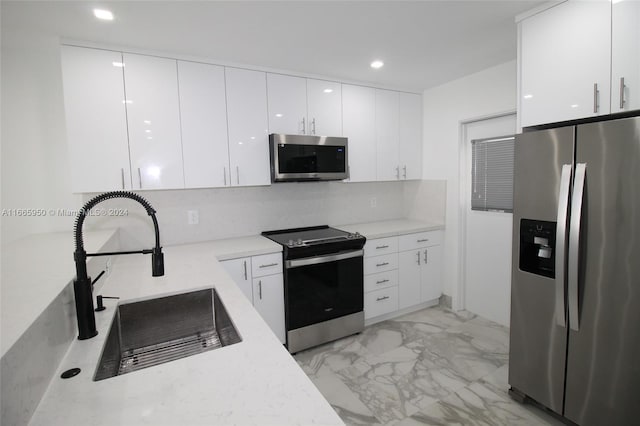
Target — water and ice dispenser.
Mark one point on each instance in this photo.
(537, 247)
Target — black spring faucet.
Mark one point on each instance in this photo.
(82, 287)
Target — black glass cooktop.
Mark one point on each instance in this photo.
(299, 238)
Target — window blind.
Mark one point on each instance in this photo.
(492, 174)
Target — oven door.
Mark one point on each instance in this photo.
(324, 287)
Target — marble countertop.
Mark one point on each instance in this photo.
(252, 382)
(35, 269)
(391, 228)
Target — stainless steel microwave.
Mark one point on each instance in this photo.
(296, 158)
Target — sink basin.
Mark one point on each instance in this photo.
(155, 331)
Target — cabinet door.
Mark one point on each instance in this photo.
(96, 119)
(358, 126)
(431, 273)
(410, 123)
(203, 113)
(565, 50)
(324, 107)
(240, 271)
(153, 119)
(409, 278)
(387, 135)
(268, 300)
(625, 56)
(287, 98)
(248, 134)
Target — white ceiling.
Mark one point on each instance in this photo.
(423, 43)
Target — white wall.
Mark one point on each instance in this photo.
(485, 93)
(34, 151)
(233, 212)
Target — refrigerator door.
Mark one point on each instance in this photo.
(537, 351)
(603, 365)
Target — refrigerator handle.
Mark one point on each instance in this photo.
(561, 241)
(574, 245)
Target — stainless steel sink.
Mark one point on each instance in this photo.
(155, 331)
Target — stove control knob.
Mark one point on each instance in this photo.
(350, 236)
(290, 243)
(299, 242)
(357, 235)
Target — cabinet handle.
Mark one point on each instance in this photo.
(245, 269)
(622, 86)
(398, 172)
(404, 171)
(140, 177)
(382, 264)
(595, 98)
(418, 253)
(313, 123)
(238, 174)
(382, 281)
(268, 266)
(304, 126)
(122, 177)
(425, 257)
(224, 173)
(260, 289)
(382, 247)
(423, 240)
(381, 298)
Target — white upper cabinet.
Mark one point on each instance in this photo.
(410, 136)
(153, 119)
(203, 112)
(287, 97)
(96, 119)
(304, 106)
(625, 56)
(387, 135)
(358, 118)
(565, 63)
(324, 108)
(248, 127)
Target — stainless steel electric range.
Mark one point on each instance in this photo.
(323, 284)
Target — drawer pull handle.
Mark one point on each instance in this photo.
(424, 240)
(382, 264)
(382, 247)
(269, 265)
(382, 298)
(382, 281)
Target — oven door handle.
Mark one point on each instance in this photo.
(307, 261)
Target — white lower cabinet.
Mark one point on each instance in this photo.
(401, 272)
(240, 271)
(419, 278)
(260, 279)
(380, 302)
(268, 299)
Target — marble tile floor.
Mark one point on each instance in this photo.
(431, 367)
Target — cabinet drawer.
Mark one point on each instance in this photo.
(373, 265)
(380, 302)
(380, 246)
(267, 264)
(380, 280)
(420, 239)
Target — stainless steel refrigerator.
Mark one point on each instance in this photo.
(575, 297)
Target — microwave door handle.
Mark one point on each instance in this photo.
(308, 261)
(574, 245)
(561, 240)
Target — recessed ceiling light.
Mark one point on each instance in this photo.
(528, 96)
(328, 90)
(377, 64)
(118, 64)
(103, 14)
